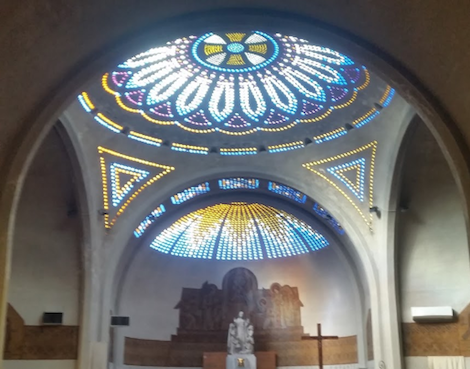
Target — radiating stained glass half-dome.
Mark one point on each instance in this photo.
(236, 82)
(238, 231)
(233, 92)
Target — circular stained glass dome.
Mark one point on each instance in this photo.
(224, 87)
(238, 231)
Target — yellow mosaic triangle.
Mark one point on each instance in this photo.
(352, 175)
(123, 178)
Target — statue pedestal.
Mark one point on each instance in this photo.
(217, 360)
(240, 361)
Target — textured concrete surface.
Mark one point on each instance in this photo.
(49, 49)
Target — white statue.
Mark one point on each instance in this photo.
(240, 336)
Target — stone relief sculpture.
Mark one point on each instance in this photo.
(205, 312)
(250, 341)
(240, 289)
(240, 336)
(231, 338)
(210, 307)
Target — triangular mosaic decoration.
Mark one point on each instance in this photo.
(352, 174)
(124, 178)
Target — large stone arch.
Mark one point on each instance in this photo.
(51, 94)
(117, 247)
(350, 259)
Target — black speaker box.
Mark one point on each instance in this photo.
(119, 321)
(52, 318)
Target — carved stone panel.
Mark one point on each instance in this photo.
(205, 314)
(209, 309)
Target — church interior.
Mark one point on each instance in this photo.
(297, 172)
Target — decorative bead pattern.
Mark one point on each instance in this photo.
(244, 80)
(287, 191)
(190, 193)
(238, 183)
(344, 184)
(387, 97)
(330, 135)
(238, 231)
(191, 236)
(239, 238)
(286, 147)
(366, 118)
(255, 83)
(250, 61)
(145, 139)
(85, 102)
(238, 151)
(326, 215)
(105, 122)
(352, 175)
(122, 194)
(148, 221)
(120, 189)
(191, 149)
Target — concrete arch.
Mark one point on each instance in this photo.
(86, 244)
(342, 246)
(356, 240)
(54, 95)
(398, 241)
(114, 243)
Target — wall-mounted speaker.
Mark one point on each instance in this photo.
(432, 314)
(52, 318)
(119, 321)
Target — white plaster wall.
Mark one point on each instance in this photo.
(344, 366)
(38, 364)
(154, 283)
(160, 367)
(45, 263)
(416, 362)
(340, 366)
(434, 261)
(421, 362)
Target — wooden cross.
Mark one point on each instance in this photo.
(320, 339)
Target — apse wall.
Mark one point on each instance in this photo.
(153, 284)
(433, 262)
(45, 274)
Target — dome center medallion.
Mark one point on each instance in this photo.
(235, 47)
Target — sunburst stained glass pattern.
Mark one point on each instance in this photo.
(236, 83)
(238, 231)
(239, 236)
